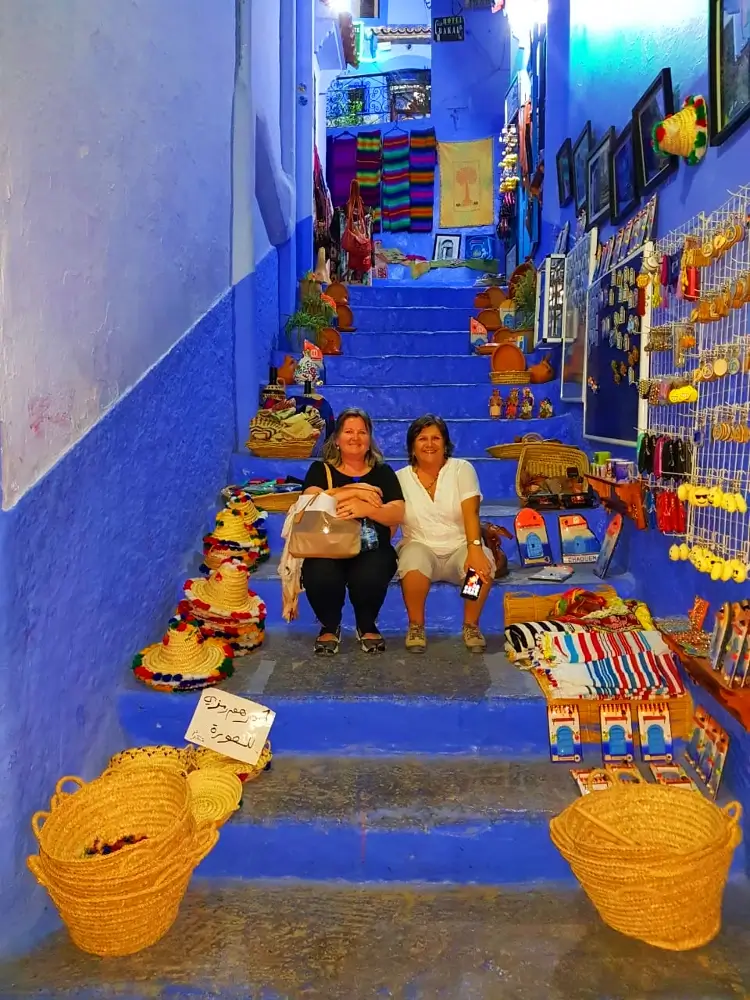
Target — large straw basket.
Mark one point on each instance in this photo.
(279, 503)
(653, 860)
(549, 461)
(119, 903)
(274, 449)
(510, 378)
(514, 449)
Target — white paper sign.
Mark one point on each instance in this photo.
(232, 726)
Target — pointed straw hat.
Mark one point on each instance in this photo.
(231, 526)
(685, 133)
(184, 660)
(246, 509)
(224, 594)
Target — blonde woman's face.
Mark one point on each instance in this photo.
(354, 439)
(428, 443)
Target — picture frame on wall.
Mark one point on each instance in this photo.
(728, 68)
(599, 181)
(656, 103)
(511, 260)
(564, 161)
(447, 246)
(625, 196)
(581, 149)
(479, 248)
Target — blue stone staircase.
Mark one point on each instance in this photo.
(400, 783)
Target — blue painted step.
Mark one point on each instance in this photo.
(472, 436)
(389, 319)
(369, 345)
(469, 399)
(406, 369)
(496, 478)
(403, 294)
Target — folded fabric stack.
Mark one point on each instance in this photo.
(628, 664)
(234, 538)
(282, 430)
(225, 608)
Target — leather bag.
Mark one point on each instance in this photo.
(355, 240)
(316, 534)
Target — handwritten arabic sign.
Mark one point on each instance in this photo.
(235, 727)
(448, 29)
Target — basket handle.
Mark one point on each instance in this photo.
(35, 868)
(36, 820)
(205, 840)
(733, 812)
(60, 786)
(615, 834)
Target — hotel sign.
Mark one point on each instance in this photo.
(448, 29)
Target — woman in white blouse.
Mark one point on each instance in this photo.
(442, 538)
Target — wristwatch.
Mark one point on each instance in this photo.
(476, 541)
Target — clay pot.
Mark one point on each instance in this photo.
(286, 371)
(497, 296)
(338, 292)
(490, 319)
(346, 318)
(482, 301)
(492, 536)
(329, 340)
(541, 372)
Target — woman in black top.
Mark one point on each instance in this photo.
(367, 489)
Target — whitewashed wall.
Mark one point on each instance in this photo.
(115, 120)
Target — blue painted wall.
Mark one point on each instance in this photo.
(599, 72)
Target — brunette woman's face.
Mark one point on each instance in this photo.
(354, 439)
(429, 445)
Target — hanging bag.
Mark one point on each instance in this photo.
(355, 240)
(317, 534)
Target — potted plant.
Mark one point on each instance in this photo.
(314, 316)
(524, 300)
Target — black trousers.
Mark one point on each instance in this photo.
(366, 577)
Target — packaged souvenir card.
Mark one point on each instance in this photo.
(736, 642)
(611, 538)
(617, 252)
(578, 543)
(673, 775)
(697, 614)
(531, 535)
(742, 674)
(720, 634)
(627, 236)
(581, 777)
(564, 726)
(625, 773)
(721, 747)
(477, 334)
(655, 730)
(707, 758)
(617, 732)
(694, 749)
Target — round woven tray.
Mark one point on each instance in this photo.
(510, 378)
(277, 502)
(215, 794)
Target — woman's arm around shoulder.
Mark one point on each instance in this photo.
(391, 514)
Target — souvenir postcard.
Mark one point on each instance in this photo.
(655, 731)
(617, 732)
(564, 726)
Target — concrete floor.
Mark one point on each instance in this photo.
(350, 943)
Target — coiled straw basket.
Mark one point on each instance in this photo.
(120, 903)
(653, 860)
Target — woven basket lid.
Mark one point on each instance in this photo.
(685, 133)
(173, 758)
(214, 794)
(225, 592)
(184, 652)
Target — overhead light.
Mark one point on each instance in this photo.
(340, 6)
(524, 15)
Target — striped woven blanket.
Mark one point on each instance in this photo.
(369, 167)
(422, 159)
(396, 201)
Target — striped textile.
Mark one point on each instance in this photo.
(369, 168)
(637, 676)
(341, 167)
(396, 201)
(587, 647)
(422, 159)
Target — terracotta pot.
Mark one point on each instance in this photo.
(490, 319)
(482, 300)
(286, 371)
(338, 292)
(541, 372)
(346, 318)
(497, 296)
(329, 340)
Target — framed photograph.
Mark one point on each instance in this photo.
(728, 68)
(447, 246)
(511, 260)
(565, 173)
(581, 149)
(599, 181)
(624, 176)
(561, 243)
(657, 102)
(479, 248)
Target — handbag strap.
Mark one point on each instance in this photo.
(329, 477)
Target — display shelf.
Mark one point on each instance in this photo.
(735, 700)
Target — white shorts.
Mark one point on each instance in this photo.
(437, 568)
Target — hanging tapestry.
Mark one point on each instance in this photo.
(466, 188)
(369, 166)
(341, 166)
(396, 212)
(422, 157)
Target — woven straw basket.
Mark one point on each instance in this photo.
(216, 794)
(549, 460)
(653, 860)
(278, 503)
(120, 903)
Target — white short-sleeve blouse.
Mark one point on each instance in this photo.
(438, 523)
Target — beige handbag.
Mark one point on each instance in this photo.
(317, 535)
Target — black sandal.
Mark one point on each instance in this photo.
(327, 647)
(371, 645)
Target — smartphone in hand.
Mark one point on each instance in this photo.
(472, 586)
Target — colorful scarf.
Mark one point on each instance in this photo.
(396, 202)
(341, 167)
(369, 166)
(422, 159)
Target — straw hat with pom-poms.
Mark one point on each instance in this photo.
(224, 594)
(184, 660)
(244, 637)
(685, 133)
